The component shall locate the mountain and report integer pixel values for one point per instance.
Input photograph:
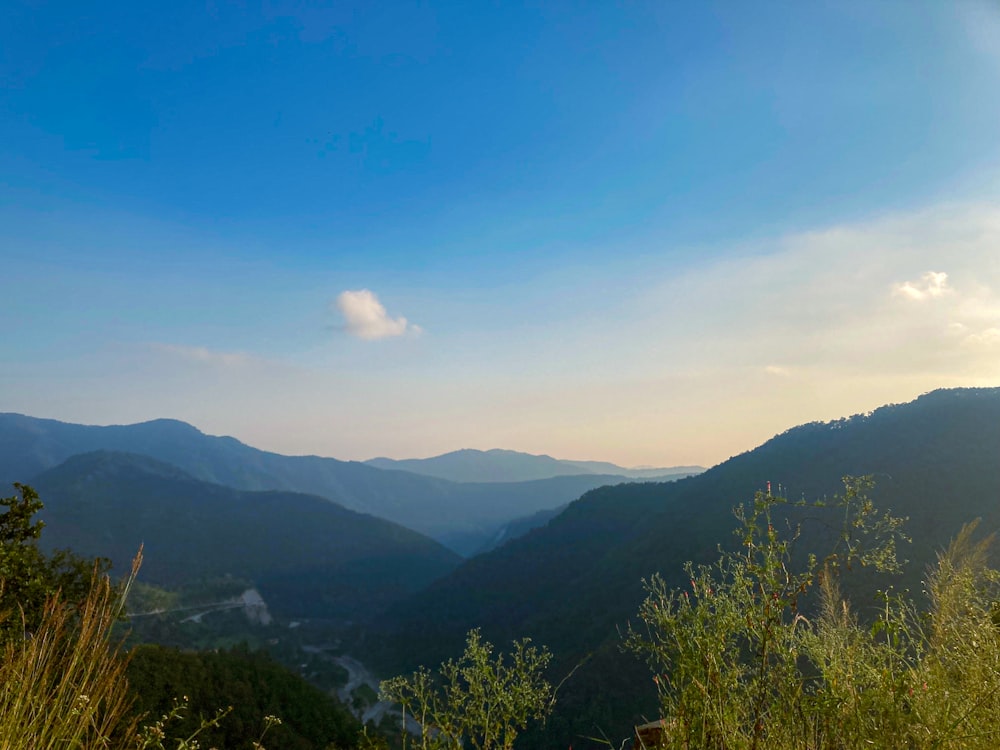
(309, 556)
(521, 526)
(494, 505)
(512, 466)
(575, 582)
(465, 516)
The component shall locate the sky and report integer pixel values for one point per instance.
(655, 233)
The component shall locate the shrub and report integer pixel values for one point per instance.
(738, 664)
(480, 700)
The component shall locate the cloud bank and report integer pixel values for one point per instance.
(366, 318)
(912, 296)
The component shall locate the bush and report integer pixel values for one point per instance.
(477, 699)
(29, 579)
(739, 664)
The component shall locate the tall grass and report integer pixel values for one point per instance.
(740, 667)
(63, 686)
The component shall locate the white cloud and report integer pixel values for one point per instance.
(851, 302)
(366, 317)
(932, 284)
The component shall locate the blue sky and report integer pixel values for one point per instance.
(646, 232)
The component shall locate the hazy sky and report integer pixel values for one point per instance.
(653, 233)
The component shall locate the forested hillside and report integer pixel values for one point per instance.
(308, 555)
(575, 582)
(247, 687)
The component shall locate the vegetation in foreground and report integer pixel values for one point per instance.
(478, 700)
(66, 681)
(739, 660)
(63, 686)
(738, 663)
(763, 651)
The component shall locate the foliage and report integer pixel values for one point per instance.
(64, 687)
(739, 665)
(28, 578)
(67, 686)
(249, 682)
(64, 678)
(477, 699)
(153, 736)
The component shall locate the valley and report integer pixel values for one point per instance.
(436, 375)
(343, 599)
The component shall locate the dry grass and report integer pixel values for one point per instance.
(64, 685)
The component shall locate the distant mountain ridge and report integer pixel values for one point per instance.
(498, 465)
(464, 516)
(310, 556)
(574, 583)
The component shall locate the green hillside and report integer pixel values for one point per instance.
(572, 584)
(251, 686)
(308, 555)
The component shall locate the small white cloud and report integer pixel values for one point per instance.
(931, 284)
(367, 319)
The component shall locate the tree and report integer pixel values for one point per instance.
(28, 577)
(479, 700)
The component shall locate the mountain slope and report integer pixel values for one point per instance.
(521, 526)
(571, 584)
(464, 516)
(310, 556)
(512, 466)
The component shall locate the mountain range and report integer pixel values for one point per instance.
(572, 580)
(465, 516)
(497, 465)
